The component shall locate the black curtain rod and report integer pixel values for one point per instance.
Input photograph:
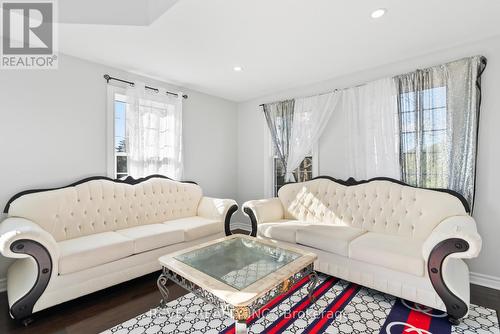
(483, 60)
(332, 91)
(107, 77)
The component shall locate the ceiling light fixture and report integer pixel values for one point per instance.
(237, 68)
(378, 13)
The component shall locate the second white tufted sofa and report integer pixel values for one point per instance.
(381, 233)
(98, 232)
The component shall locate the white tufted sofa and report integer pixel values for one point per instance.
(405, 241)
(99, 232)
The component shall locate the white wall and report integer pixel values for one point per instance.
(332, 146)
(53, 131)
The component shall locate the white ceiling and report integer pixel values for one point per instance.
(279, 43)
(116, 12)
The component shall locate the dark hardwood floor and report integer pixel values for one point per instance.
(95, 312)
(104, 309)
(486, 297)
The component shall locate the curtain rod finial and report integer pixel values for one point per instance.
(107, 78)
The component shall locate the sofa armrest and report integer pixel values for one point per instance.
(219, 209)
(456, 227)
(453, 239)
(264, 210)
(26, 241)
(15, 229)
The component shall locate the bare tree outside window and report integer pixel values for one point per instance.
(423, 121)
(302, 173)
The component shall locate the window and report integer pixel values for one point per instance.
(423, 123)
(144, 133)
(274, 177)
(120, 137)
(302, 173)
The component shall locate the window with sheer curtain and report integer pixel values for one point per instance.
(120, 139)
(147, 132)
(302, 173)
(438, 112)
(423, 137)
(295, 127)
(420, 127)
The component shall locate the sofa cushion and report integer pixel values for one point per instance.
(148, 237)
(196, 227)
(330, 238)
(283, 230)
(93, 250)
(390, 251)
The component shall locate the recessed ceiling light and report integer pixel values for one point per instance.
(378, 13)
(237, 68)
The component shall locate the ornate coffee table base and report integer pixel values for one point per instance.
(313, 281)
(162, 286)
(240, 314)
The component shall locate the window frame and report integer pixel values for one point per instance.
(423, 132)
(269, 162)
(111, 153)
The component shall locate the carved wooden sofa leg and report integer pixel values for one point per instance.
(455, 307)
(27, 321)
(253, 220)
(227, 220)
(22, 309)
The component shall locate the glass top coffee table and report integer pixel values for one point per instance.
(238, 274)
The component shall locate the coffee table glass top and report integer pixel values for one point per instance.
(238, 262)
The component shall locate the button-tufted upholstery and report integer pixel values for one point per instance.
(377, 206)
(102, 205)
(379, 233)
(99, 232)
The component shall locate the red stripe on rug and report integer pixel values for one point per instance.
(419, 320)
(270, 305)
(278, 299)
(339, 304)
(285, 321)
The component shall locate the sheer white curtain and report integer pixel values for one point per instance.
(373, 132)
(311, 115)
(154, 132)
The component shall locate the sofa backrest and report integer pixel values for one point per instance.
(100, 205)
(382, 206)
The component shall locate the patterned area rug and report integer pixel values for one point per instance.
(340, 307)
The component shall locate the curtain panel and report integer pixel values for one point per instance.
(420, 127)
(154, 133)
(311, 115)
(373, 134)
(438, 111)
(279, 118)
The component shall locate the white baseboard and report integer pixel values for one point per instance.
(3, 284)
(485, 280)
